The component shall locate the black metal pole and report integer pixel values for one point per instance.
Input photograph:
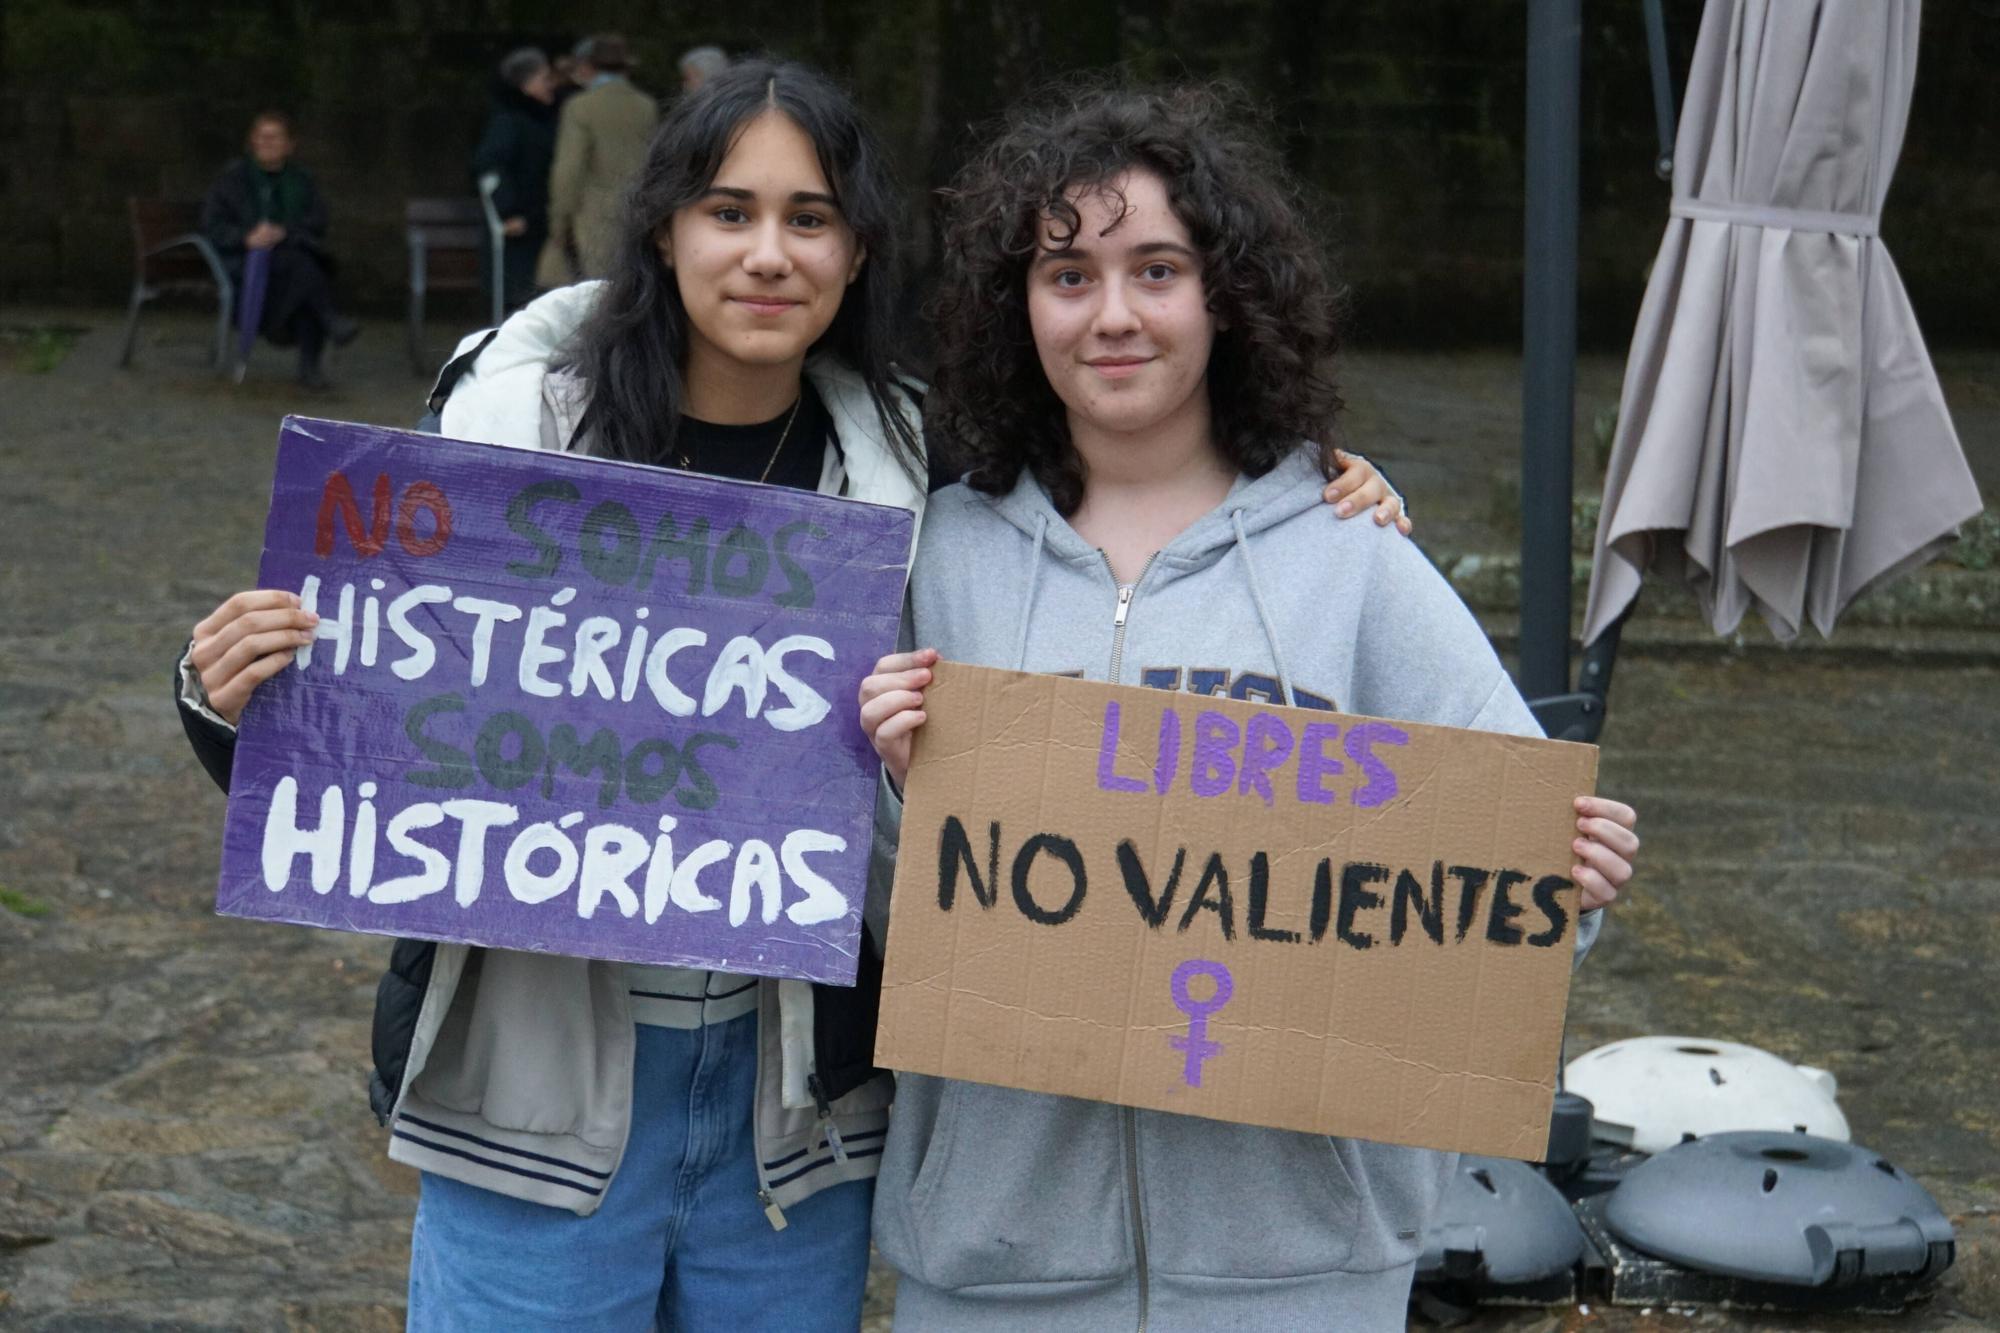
(1548, 329)
(1663, 89)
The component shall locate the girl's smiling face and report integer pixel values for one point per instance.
(1120, 318)
(763, 258)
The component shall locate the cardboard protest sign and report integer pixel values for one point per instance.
(564, 705)
(1274, 916)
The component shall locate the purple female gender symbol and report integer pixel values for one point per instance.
(1196, 1042)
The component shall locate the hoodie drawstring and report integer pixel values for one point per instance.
(1028, 602)
(1263, 612)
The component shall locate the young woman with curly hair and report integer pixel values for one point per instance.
(1136, 329)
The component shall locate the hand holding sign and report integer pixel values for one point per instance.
(1605, 846)
(246, 641)
(892, 707)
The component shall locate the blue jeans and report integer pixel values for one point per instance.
(680, 1241)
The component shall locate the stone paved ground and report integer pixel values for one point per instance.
(184, 1141)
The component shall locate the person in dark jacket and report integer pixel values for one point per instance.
(265, 201)
(518, 146)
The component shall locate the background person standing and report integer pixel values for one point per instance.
(601, 141)
(519, 145)
(700, 65)
(564, 66)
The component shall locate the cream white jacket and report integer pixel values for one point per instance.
(519, 1074)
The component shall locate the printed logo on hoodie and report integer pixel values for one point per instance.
(1251, 686)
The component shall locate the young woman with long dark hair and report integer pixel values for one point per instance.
(1136, 333)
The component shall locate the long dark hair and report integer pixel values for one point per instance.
(991, 409)
(632, 349)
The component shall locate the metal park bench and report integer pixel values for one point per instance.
(448, 240)
(170, 254)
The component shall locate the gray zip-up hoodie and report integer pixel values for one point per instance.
(1005, 1209)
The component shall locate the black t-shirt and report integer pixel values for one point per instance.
(793, 457)
(742, 451)
(723, 451)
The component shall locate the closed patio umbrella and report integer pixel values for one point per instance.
(1776, 372)
(250, 306)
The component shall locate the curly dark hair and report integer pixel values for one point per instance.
(991, 410)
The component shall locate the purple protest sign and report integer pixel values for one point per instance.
(564, 705)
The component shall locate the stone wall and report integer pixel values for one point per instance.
(1405, 115)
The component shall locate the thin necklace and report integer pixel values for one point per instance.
(687, 460)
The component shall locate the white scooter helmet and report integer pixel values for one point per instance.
(1650, 1093)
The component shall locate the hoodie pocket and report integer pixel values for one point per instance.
(1400, 1190)
(1019, 1187)
(1226, 1200)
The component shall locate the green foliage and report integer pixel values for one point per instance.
(1583, 513)
(21, 904)
(37, 350)
(1978, 542)
(1603, 430)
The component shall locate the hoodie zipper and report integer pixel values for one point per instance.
(1129, 1122)
(1130, 1127)
(1126, 591)
(824, 1106)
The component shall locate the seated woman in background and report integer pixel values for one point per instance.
(518, 145)
(265, 201)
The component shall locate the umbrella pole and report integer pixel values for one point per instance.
(1548, 327)
(1663, 89)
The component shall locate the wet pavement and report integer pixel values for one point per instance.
(184, 1136)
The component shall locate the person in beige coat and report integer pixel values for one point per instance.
(600, 143)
